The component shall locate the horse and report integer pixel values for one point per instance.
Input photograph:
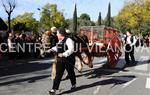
(81, 52)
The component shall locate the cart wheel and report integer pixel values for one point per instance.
(113, 58)
(114, 53)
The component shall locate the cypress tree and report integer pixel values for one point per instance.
(75, 19)
(99, 22)
(108, 20)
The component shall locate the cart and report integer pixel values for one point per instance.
(103, 42)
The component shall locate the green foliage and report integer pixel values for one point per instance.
(81, 21)
(45, 20)
(135, 15)
(19, 26)
(85, 16)
(50, 16)
(25, 22)
(85, 20)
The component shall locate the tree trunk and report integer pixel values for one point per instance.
(9, 22)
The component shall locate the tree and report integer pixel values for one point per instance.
(57, 18)
(19, 26)
(135, 15)
(75, 19)
(108, 18)
(9, 6)
(50, 16)
(26, 22)
(85, 16)
(45, 20)
(99, 22)
(85, 20)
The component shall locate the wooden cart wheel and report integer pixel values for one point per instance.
(114, 52)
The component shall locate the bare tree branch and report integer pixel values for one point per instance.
(5, 8)
(9, 6)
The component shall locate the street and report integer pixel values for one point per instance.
(33, 78)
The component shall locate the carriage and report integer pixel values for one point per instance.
(103, 42)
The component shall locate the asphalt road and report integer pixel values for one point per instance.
(33, 78)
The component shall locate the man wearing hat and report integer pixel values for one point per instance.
(130, 41)
(65, 60)
(53, 37)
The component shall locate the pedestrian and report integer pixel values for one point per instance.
(11, 48)
(147, 41)
(65, 60)
(130, 41)
(53, 37)
(45, 43)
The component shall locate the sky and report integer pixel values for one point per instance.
(91, 7)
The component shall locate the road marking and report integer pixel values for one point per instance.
(143, 67)
(96, 90)
(42, 61)
(136, 73)
(148, 83)
(128, 83)
(142, 63)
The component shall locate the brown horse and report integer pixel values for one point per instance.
(81, 52)
(81, 49)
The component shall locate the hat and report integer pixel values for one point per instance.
(62, 31)
(68, 31)
(53, 29)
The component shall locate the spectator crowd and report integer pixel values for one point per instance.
(19, 45)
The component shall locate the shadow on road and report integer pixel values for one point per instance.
(100, 71)
(115, 80)
(136, 63)
(29, 80)
(24, 68)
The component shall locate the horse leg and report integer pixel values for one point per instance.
(79, 63)
(42, 53)
(90, 59)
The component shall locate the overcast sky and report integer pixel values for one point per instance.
(91, 7)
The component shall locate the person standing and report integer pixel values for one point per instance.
(11, 48)
(65, 60)
(53, 41)
(147, 41)
(53, 37)
(130, 41)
